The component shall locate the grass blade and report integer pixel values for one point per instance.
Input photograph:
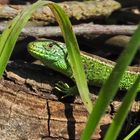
(132, 133)
(11, 33)
(108, 90)
(117, 123)
(74, 54)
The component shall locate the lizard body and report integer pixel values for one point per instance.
(54, 55)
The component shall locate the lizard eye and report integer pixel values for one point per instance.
(50, 45)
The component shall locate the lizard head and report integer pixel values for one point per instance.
(52, 54)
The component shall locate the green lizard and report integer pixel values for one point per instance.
(53, 54)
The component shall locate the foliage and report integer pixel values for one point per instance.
(9, 38)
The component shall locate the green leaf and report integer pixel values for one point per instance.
(109, 89)
(117, 123)
(12, 31)
(132, 133)
(74, 54)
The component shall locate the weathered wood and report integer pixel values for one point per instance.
(75, 10)
(85, 29)
(31, 109)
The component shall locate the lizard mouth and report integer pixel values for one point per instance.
(35, 51)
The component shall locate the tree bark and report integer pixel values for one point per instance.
(85, 29)
(75, 10)
(30, 108)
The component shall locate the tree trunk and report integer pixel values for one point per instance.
(30, 108)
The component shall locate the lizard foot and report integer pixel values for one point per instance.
(66, 89)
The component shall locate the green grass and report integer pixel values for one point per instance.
(11, 33)
(10, 36)
(132, 133)
(109, 90)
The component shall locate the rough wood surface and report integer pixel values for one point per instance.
(30, 108)
(85, 29)
(75, 10)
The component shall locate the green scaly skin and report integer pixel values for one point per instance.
(54, 55)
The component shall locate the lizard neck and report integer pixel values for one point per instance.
(61, 66)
